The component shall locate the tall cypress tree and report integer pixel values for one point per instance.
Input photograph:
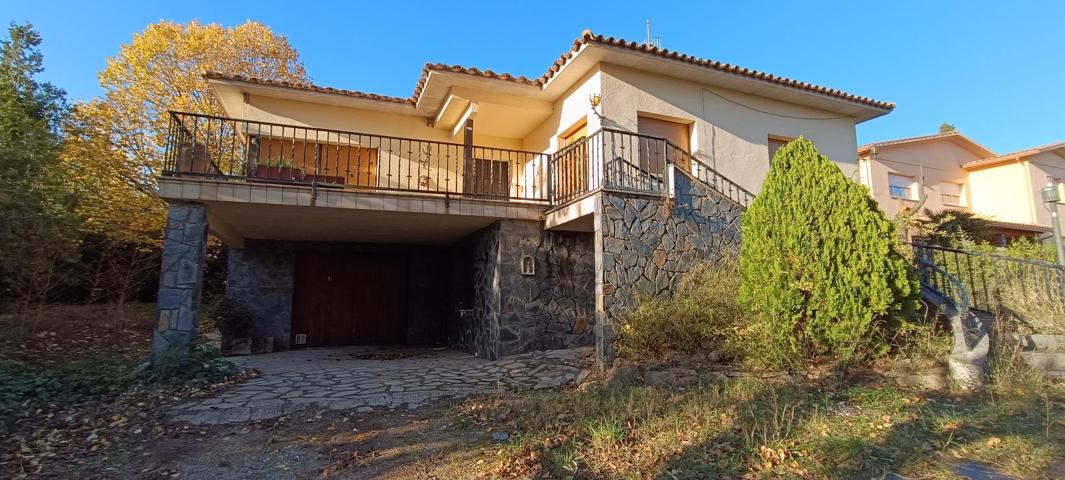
(819, 263)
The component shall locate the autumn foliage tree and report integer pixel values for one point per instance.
(819, 265)
(115, 143)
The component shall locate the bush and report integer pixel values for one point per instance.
(231, 317)
(200, 364)
(820, 267)
(702, 312)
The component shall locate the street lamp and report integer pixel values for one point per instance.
(1051, 197)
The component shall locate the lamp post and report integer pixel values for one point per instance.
(1051, 197)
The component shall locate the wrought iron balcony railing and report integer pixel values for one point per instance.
(256, 151)
(626, 161)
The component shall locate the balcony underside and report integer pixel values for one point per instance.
(239, 211)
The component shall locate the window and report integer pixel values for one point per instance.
(901, 187)
(951, 194)
(652, 153)
(775, 142)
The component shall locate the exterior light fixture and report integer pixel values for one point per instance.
(1051, 197)
(595, 99)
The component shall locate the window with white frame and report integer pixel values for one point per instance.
(951, 194)
(902, 187)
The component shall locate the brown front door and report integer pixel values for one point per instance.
(348, 299)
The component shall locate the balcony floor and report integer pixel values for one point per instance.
(238, 210)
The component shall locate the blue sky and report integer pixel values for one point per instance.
(996, 69)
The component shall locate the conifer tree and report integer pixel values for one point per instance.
(820, 267)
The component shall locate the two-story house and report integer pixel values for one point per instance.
(493, 213)
(951, 171)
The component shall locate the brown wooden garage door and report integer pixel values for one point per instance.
(349, 299)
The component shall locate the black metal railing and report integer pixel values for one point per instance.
(943, 283)
(249, 150)
(991, 278)
(626, 161)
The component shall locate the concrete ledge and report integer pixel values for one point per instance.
(211, 190)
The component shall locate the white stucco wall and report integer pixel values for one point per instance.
(731, 129)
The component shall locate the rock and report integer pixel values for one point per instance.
(500, 437)
(240, 346)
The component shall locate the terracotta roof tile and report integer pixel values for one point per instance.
(589, 37)
(305, 86)
(586, 38)
(921, 138)
(1015, 155)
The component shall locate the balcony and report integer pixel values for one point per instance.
(262, 152)
(256, 177)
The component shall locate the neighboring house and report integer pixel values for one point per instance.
(489, 212)
(951, 171)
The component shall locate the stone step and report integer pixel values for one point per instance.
(1049, 361)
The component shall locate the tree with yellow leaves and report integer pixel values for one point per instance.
(115, 143)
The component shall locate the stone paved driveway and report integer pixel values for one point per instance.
(365, 378)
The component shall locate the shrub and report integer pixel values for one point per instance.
(702, 312)
(820, 267)
(231, 317)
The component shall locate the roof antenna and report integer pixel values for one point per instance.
(652, 41)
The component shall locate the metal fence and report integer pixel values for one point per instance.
(625, 161)
(210, 146)
(991, 280)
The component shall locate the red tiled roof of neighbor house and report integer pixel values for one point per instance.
(587, 37)
(305, 86)
(923, 138)
(1015, 155)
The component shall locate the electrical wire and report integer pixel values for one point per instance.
(784, 115)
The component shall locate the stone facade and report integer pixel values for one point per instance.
(512, 312)
(181, 278)
(260, 277)
(648, 242)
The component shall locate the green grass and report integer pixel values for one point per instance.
(743, 427)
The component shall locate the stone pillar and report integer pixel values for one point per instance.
(604, 324)
(181, 278)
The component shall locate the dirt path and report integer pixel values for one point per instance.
(425, 443)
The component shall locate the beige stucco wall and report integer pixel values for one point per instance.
(1003, 192)
(932, 164)
(726, 135)
(398, 162)
(570, 108)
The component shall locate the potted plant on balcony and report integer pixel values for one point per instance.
(277, 168)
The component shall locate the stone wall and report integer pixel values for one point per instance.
(648, 242)
(260, 277)
(513, 313)
(555, 307)
(181, 278)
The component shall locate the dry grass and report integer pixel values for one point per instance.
(702, 313)
(749, 429)
(1039, 311)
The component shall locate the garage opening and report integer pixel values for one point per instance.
(369, 296)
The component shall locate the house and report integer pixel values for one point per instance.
(493, 213)
(951, 171)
